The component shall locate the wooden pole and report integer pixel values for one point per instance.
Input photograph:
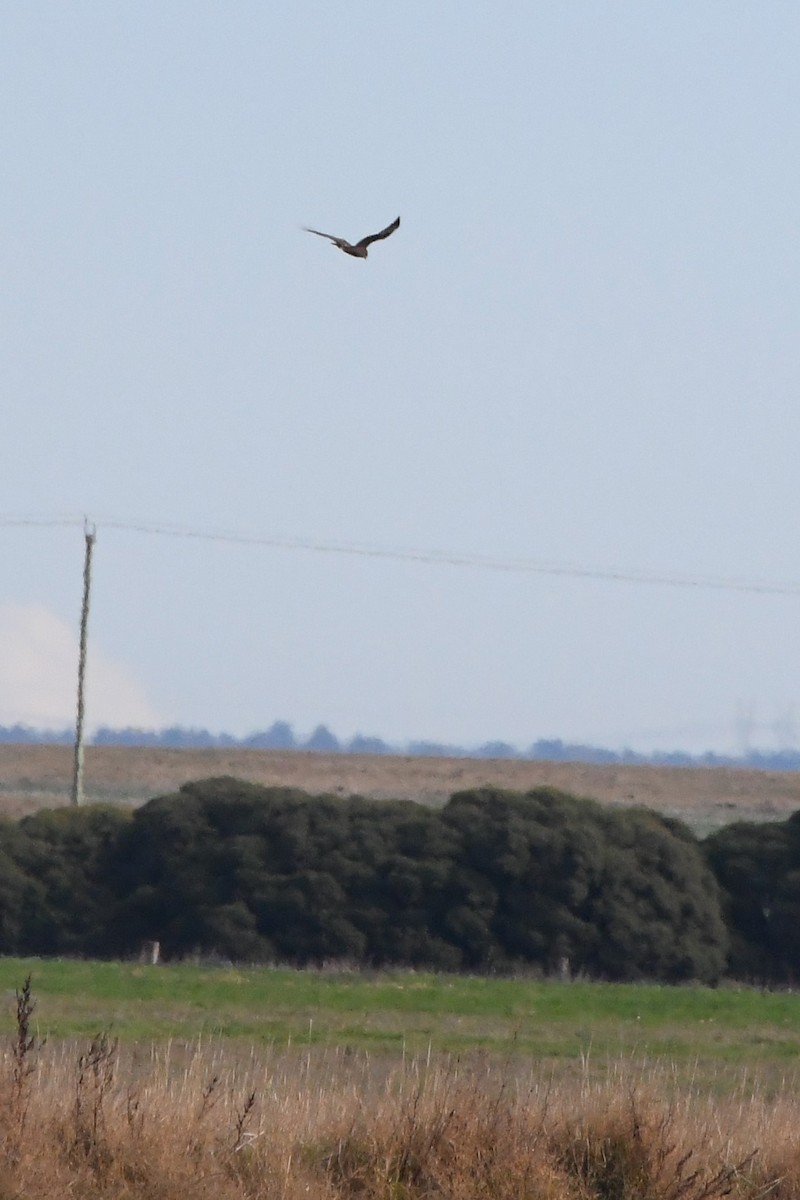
(77, 773)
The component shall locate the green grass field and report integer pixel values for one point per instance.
(234, 1084)
(698, 1029)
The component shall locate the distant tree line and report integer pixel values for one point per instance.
(281, 736)
(493, 882)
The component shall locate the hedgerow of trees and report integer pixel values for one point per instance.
(494, 881)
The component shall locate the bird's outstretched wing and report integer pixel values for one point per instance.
(377, 237)
(329, 236)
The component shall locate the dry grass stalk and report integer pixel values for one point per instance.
(25, 1049)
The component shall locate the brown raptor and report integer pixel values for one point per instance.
(357, 249)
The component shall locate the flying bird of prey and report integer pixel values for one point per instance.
(359, 250)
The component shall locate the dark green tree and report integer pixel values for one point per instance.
(22, 899)
(758, 869)
(68, 853)
(619, 894)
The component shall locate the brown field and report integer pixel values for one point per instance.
(79, 1120)
(33, 777)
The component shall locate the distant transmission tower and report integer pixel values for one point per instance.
(77, 774)
(785, 729)
(745, 723)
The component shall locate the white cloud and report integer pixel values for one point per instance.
(39, 676)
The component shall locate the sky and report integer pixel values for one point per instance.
(580, 350)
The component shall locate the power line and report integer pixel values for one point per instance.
(44, 522)
(425, 556)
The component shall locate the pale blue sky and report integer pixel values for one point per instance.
(581, 347)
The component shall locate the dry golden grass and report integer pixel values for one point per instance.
(211, 1122)
(33, 777)
(88, 1124)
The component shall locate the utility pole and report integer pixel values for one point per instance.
(89, 533)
